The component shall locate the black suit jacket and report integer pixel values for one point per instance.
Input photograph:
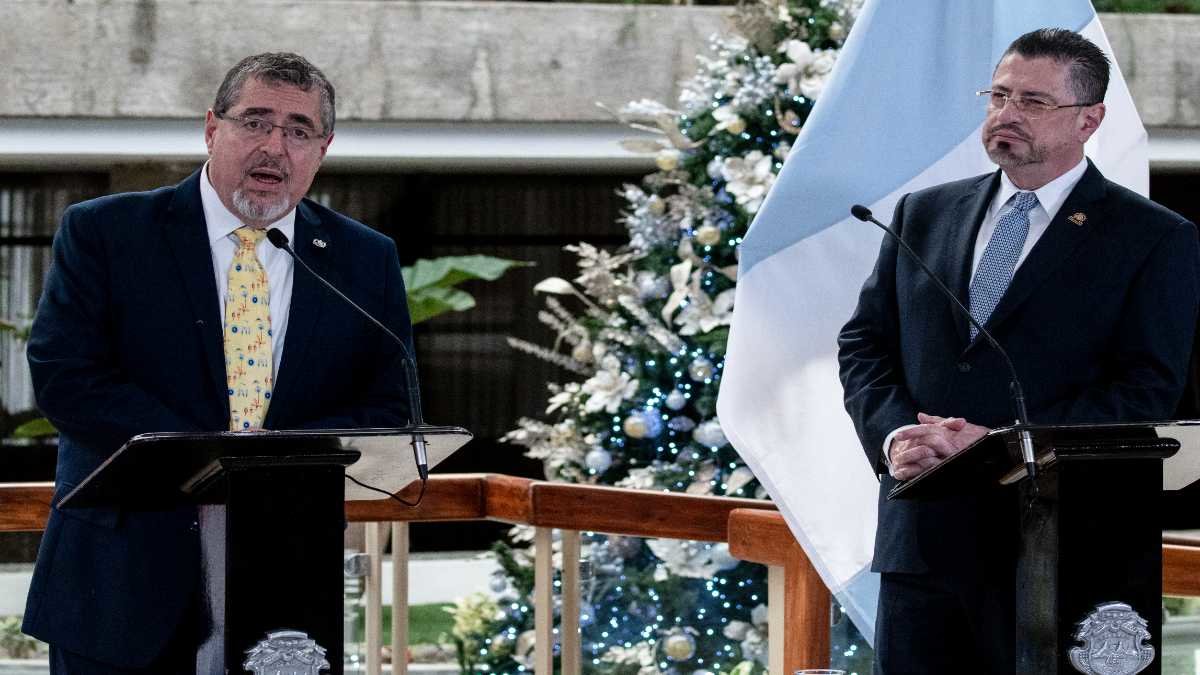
(128, 340)
(1098, 319)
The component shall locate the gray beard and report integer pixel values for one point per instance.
(250, 209)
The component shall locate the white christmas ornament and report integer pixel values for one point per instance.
(667, 160)
(708, 235)
(700, 369)
(635, 426)
(598, 460)
(679, 646)
(709, 434)
(652, 286)
(498, 583)
(582, 352)
(676, 400)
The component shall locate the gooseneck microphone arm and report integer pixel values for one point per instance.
(420, 454)
(1018, 394)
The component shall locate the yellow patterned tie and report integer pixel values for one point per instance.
(248, 365)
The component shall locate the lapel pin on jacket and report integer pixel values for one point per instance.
(320, 243)
(1078, 218)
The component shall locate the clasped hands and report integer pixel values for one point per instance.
(917, 449)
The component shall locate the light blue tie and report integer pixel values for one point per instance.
(1000, 257)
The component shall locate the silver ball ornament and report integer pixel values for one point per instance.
(676, 400)
(498, 583)
(700, 369)
(651, 286)
(709, 434)
(679, 646)
(598, 460)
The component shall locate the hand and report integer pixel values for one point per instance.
(918, 449)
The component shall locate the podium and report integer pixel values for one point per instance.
(1089, 568)
(272, 518)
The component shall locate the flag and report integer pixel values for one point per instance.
(898, 114)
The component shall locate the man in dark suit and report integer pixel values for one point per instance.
(137, 332)
(1091, 288)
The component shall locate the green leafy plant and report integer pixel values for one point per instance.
(431, 283)
(14, 643)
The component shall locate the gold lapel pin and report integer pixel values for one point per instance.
(320, 243)
(1077, 218)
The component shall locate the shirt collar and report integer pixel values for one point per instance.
(221, 222)
(1051, 195)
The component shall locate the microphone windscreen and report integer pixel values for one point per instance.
(861, 212)
(278, 238)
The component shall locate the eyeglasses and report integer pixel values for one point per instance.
(1032, 108)
(258, 128)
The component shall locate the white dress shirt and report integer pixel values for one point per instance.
(221, 224)
(1050, 199)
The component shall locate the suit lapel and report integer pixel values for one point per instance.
(965, 220)
(1061, 239)
(187, 236)
(308, 301)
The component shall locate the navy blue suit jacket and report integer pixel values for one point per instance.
(128, 340)
(1098, 319)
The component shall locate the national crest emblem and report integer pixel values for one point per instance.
(1114, 642)
(286, 652)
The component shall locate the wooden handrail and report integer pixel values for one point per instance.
(1181, 570)
(799, 601)
(25, 507)
(638, 513)
(757, 533)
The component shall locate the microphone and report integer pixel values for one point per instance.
(1018, 393)
(420, 454)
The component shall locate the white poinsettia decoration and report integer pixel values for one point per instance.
(703, 314)
(752, 635)
(641, 478)
(728, 120)
(748, 178)
(609, 387)
(817, 74)
(562, 447)
(806, 71)
(640, 654)
(693, 559)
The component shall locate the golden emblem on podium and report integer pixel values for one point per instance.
(286, 652)
(1114, 642)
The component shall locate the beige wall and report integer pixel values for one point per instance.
(435, 60)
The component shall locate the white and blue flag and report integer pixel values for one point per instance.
(898, 114)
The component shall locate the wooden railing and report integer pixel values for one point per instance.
(799, 602)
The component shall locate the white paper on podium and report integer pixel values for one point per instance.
(1183, 468)
(387, 462)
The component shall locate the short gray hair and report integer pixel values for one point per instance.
(276, 68)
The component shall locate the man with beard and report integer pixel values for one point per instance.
(168, 311)
(1090, 287)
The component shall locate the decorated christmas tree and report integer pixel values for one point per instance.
(640, 334)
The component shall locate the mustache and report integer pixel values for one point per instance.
(1010, 128)
(269, 163)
